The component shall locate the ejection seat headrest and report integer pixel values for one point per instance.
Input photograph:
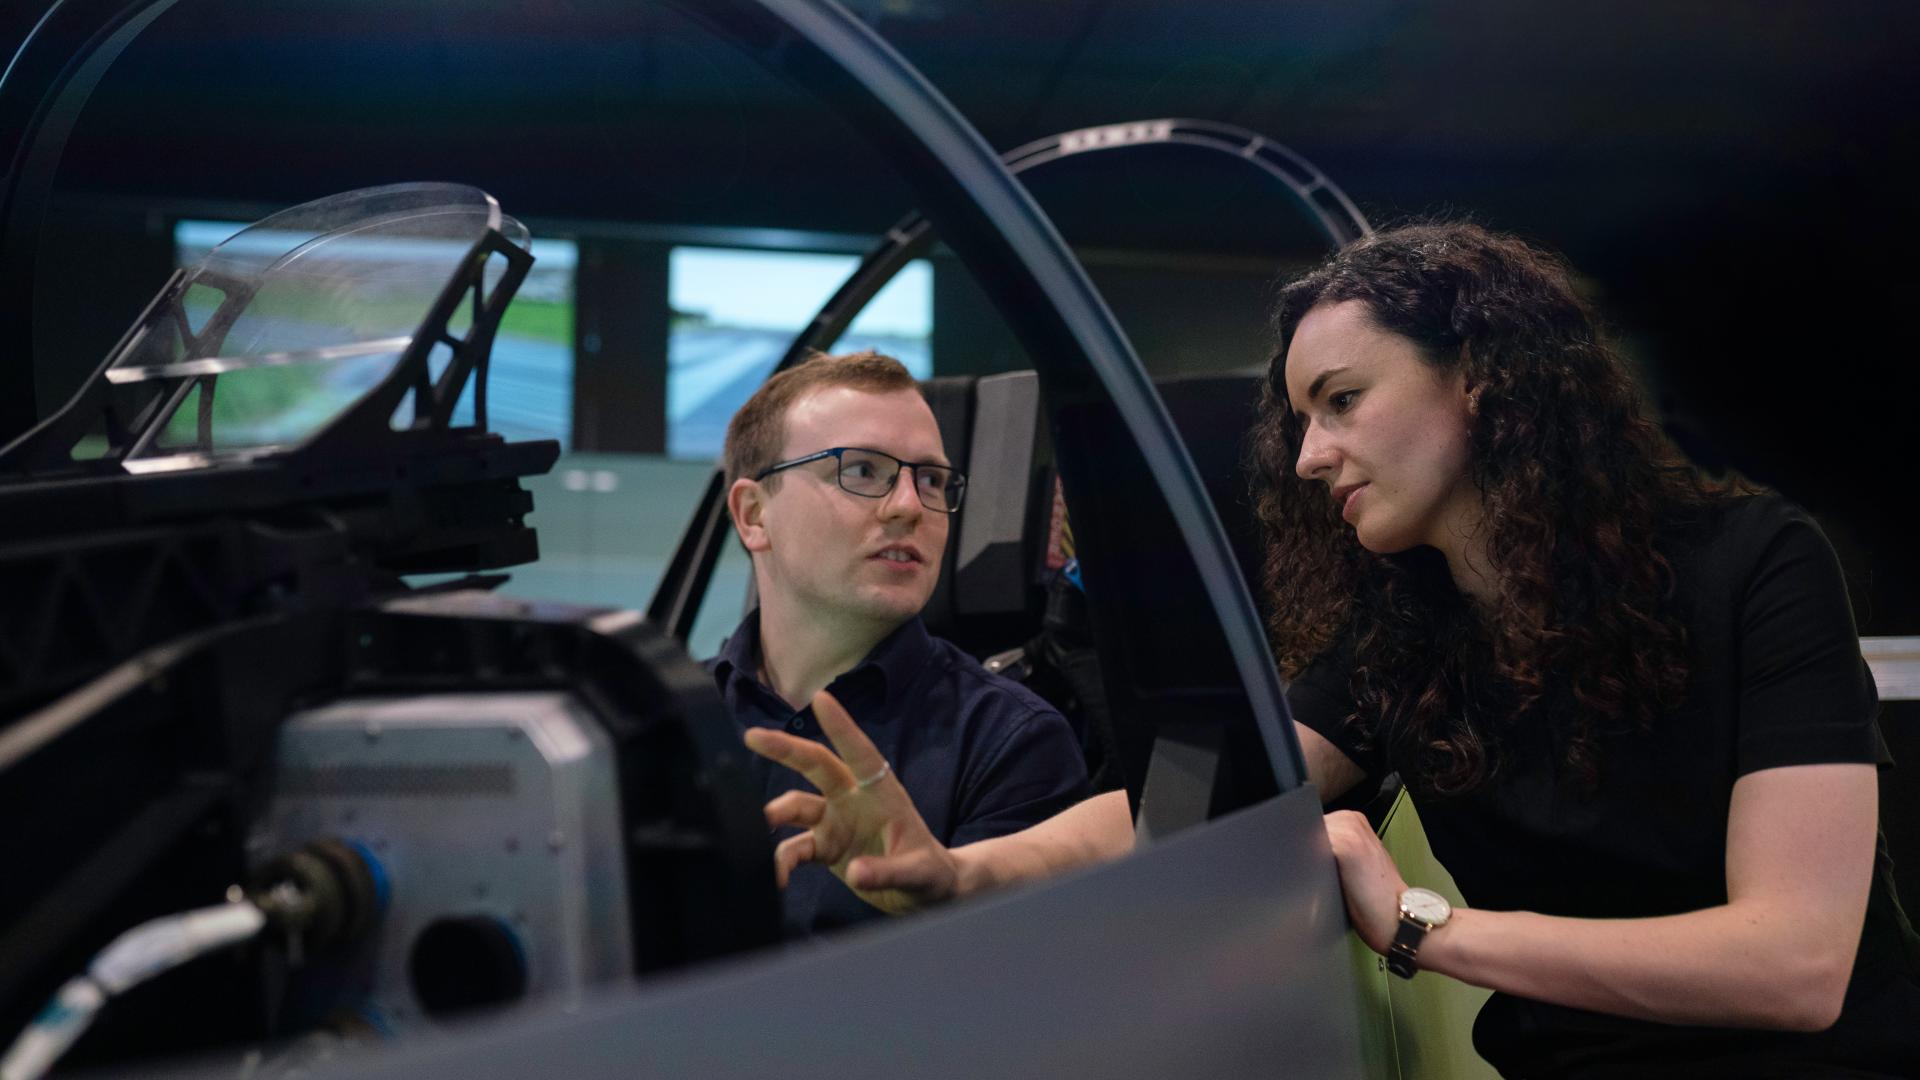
(989, 596)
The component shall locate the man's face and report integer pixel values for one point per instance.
(821, 549)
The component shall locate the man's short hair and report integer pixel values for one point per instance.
(758, 431)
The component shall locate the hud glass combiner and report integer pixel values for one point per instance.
(368, 311)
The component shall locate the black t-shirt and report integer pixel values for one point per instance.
(1776, 679)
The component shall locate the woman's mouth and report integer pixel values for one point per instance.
(1351, 502)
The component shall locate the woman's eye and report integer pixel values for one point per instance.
(1343, 400)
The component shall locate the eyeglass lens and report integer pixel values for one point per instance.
(873, 474)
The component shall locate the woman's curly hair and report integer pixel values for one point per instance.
(1575, 479)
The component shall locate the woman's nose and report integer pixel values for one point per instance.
(1316, 455)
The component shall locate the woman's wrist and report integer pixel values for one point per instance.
(1446, 948)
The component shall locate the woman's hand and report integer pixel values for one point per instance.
(1368, 877)
(862, 825)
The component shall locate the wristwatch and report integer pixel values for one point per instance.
(1421, 911)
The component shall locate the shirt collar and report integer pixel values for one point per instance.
(897, 660)
(741, 651)
(893, 663)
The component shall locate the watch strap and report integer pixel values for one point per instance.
(1402, 954)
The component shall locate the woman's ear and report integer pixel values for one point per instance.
(747, 506)
(1468, 385)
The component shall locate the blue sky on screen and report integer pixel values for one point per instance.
(784, 290)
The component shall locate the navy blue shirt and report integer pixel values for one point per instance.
(981, 755)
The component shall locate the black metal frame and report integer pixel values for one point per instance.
(43, 88)
(676, 600)
(1331, 211)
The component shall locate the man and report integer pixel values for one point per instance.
(843, 495)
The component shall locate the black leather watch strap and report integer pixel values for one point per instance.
(1405, 948)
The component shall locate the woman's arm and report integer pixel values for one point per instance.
(1331, 772)
(1777, 954)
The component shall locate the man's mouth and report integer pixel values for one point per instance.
(898, 555)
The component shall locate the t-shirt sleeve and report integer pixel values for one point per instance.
(1036, 771)
(1806, 695)
(1322, 699)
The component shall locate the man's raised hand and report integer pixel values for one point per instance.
(862, 825)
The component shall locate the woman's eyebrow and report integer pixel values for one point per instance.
(1319, 382)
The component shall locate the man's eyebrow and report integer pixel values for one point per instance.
(1319, 382)
(944, 464)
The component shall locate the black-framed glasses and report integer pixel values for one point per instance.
(872, 473)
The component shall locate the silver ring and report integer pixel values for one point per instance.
(885, 768)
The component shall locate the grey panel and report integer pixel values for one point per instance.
(500, 804)
(951, 399)
(1222, 952)
(991, 573)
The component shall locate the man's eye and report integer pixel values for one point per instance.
(860, 470)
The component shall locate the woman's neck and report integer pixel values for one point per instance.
(1464, 541)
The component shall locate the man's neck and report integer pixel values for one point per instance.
(801, 651)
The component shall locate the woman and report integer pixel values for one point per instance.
(1630, 703)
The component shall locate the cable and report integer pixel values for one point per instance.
(153, 947)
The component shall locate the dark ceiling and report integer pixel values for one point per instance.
(1734, 178)
(1565, 119)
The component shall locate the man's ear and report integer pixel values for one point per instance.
(747, 506)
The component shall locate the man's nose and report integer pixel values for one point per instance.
(904, 499)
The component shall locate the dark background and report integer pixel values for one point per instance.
(1734, 180)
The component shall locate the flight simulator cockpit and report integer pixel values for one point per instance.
(313, 775)
(299, 789)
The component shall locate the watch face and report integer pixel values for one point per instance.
(1426, 905)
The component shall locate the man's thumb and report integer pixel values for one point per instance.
(912, 872)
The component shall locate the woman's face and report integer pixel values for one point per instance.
(1386, 431)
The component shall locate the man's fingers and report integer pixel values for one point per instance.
(792, 851)
(799, 808)
(856, 750)
(913, 872)
(804, 756)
